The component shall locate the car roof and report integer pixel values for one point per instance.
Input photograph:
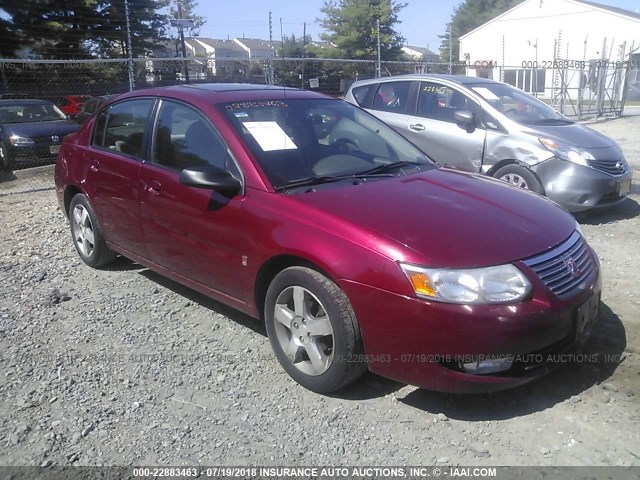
(460, 79)
(225, 92)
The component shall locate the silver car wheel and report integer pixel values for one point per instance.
(515, 179)
(83, 230)
(304, 330)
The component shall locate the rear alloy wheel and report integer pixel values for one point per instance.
(313, 330)
(87, 235)
(520, 177)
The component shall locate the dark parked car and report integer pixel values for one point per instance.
(31, 132)
(314, 216)
(71, 104)
(481, 125)
(90, 106)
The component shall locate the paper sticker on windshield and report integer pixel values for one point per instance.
(485, 93)
(270, 136)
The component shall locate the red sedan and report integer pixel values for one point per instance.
(313, 216)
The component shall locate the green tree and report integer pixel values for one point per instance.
(76, 29)
(468, 15)
(146, 25)
(51, 29)
(351, 26)
(297, 47)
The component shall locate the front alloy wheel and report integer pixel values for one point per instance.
(515, 179)
(313, 330)
(304, 331)
(520, 177)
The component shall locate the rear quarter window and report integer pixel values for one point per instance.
(362, 94)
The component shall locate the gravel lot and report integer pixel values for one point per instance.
(124, 367)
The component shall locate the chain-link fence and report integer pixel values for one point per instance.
(580, 90)
(77, 87)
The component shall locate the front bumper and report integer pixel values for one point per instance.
(578, 188)
(33, 155)
(420, 343)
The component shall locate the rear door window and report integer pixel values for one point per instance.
(121, 127)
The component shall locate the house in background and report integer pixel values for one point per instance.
(256, 48)
(421, 54)
(221, 54)
(520, 46)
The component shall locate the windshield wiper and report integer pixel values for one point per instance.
(388, 167)
(553, 120)
(307, 182)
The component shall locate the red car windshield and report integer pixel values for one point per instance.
(300, 139)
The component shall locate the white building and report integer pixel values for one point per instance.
(528, 45)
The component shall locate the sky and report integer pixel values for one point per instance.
(422, 20)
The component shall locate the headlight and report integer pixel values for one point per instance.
(567, 152)
(17, 140)
(501, 284)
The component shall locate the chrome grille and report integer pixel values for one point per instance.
(612, 167)
(564, 268)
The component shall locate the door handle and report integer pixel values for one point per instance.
(95, 166)
(417, 127)
(154, 186)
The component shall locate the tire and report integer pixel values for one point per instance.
(87, 235)
(5, 161)
(308, 316)
(520, 177)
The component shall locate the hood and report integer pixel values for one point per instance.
(574, 134)
(38, 129)
(446, 218)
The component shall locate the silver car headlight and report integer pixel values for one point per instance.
(489, 285)
(20, 141)
(567, 152)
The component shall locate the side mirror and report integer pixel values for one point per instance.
(465, 119)
(463, 116)
(212, 178)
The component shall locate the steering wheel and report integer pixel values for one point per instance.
(345, 145)
(511, 113)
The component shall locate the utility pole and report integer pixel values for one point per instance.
(450, 49)
(304, 44)
(132, 84)
(378, 63)
(184, 49)
(270, 73)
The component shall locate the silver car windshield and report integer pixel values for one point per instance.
(518, 105)
(300, 141)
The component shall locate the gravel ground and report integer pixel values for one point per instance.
(124, 367)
